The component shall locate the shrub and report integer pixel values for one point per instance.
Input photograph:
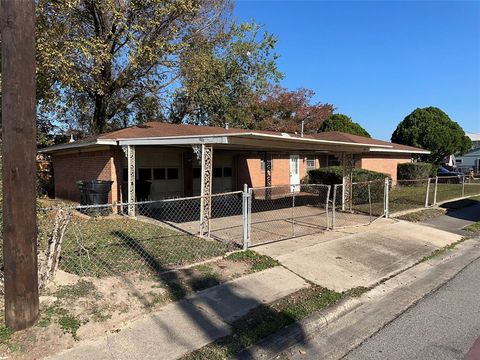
(413, 171)
(332, 175)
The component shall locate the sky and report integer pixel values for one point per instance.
(378, 61)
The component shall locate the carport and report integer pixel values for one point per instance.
(204, 147)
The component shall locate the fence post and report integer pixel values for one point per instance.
(334, 201)
(386, 210)
(435, 191)
(463, 186)
(428, 193)
(326, 205)
(293, 214)
(246, 233)
(369, 201)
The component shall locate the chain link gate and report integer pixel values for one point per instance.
(282, 212)
(366, 203)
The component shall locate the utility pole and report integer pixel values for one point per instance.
(19, 163)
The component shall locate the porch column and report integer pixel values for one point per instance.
(267, 161)
(347, 162)
(348, 165)
(129, 151)
(205, 155)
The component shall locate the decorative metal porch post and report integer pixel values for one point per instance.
(267, 161)
(347, 162)
(205, 155)
(129, 151)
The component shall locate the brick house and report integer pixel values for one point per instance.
(169, 157)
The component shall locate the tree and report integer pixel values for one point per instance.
(343, 123)
(284, 110)
(104, 60)
(222, 76)
(432, 129)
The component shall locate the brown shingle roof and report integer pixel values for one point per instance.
(356, 139)
(160, 129)
(157, 129)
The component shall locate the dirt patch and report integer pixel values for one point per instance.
(75, 308)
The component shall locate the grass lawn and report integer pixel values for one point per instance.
(266, 320)
(407, 197)
(474, 228)
(105, 246)
(410, 197)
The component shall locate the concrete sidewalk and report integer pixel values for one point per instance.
(191, 323)
(360, 256)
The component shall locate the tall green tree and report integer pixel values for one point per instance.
(223, 76)
(109, 61)
(432, 129)
(342, 123)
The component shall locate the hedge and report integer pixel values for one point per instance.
(332, 175)
(414, 171)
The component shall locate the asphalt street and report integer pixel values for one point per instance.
(443, 325)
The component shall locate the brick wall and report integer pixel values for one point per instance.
(91, 165)
(386, 164)
(250, 172)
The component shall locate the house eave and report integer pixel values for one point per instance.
(399, 151)
(74, 145)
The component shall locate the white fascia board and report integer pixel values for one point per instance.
(176, 140)
(387, 150)
(73, 145)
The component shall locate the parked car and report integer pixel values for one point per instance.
(451, 177)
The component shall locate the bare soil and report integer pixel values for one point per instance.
(77, 308)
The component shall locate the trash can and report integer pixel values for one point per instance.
(95, 192)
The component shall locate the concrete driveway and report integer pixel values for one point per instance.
(455, 220)
(360, 256)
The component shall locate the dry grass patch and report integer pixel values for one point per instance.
(422, 215)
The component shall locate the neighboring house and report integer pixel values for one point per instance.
(469, 161)
(166, 155)
(475, 140)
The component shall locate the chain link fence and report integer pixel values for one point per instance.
(104, 240)
(282, 212)
(409, 194)
(360, 206)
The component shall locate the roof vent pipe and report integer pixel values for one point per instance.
(301, 130)
(226, 126)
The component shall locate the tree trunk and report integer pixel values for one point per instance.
(99, 115)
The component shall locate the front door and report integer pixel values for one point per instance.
(294, 173)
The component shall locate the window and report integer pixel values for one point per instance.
(159, 174)
(333, 161)
(227, 172)
(458, 161)
(310, 162)
(125, 174)
(145, 174)
(197, 172)
(217, 172)
(172, 173)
